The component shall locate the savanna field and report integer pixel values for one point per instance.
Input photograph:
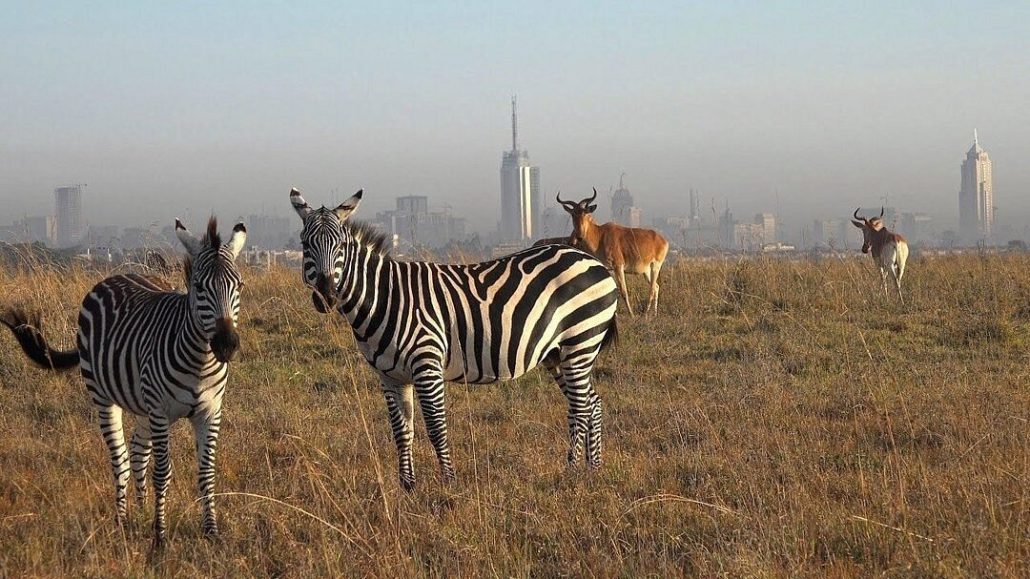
(776, 419)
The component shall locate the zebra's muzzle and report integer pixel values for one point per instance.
(323, 297)
(226, 340)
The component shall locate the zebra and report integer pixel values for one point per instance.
(420, 324)
(161, 355)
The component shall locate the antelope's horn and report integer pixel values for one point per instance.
(558, 197)
(856, 214)
(586, 202)
(881, 211)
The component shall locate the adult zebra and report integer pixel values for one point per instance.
(424, 324)
(162, 355)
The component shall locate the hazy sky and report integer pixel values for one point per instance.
(187, 108)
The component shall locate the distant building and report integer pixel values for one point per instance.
(68, 212)
(413, 204)
(103, 236)
(748, 236)
(271, 232)
(624, 211)
(917, 228)
(554, 222)
(695, 207)
(768, 223)
(726, 234)
(35, 229)
(976, 196)
(520, 190)
(830, 233)
(136, 238)
(413, 225)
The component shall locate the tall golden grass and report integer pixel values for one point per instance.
(776, 419)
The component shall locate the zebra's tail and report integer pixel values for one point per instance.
(34, 345)
(611, 336)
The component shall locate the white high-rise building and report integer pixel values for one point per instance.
(68, 213)
(976, 197)
(520, 190)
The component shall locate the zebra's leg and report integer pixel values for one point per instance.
(551, 363)
(400, 403)
(581, 399)
(114, 437)
(205, 431)
(429, 387)
(159, 426)
(593, 442)
(139, 457)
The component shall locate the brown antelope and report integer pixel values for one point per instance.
(622, 249)
(890, 250)
(552, 241)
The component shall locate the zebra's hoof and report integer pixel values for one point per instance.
(408, 485)
(212, 534)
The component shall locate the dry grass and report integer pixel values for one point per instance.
(777, 419)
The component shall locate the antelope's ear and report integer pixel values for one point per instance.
(857, 224)
(591, 208)
(191, 243)
(239, 239)
(299, 204)
(345, 209)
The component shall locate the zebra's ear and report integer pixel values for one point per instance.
(191, 243)
(239, 239)
(349, 206)
(299, 204)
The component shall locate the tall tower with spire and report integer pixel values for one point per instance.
(976, 196)
(520, 189)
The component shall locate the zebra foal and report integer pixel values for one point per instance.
(159, 354)
(422, 324)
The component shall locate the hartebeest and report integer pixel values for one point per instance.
(622, 249)
(552, 241)
(890, 250)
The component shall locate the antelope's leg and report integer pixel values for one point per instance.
(620, 273)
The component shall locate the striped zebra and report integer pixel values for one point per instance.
(421, 324)
(159, 354)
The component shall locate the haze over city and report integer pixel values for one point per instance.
(169, 112)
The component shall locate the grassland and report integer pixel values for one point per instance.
(776, 419)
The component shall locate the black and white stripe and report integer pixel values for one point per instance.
(159, 354)
(421, 324)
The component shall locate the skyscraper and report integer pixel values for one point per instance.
(520, 190)
(767, 221)
(68, 213)
(976, 197)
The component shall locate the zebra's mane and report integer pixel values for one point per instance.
(212, 238)
(368, 235)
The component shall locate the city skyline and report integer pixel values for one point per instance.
(169, 113)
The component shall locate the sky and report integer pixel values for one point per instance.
(192, 108)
